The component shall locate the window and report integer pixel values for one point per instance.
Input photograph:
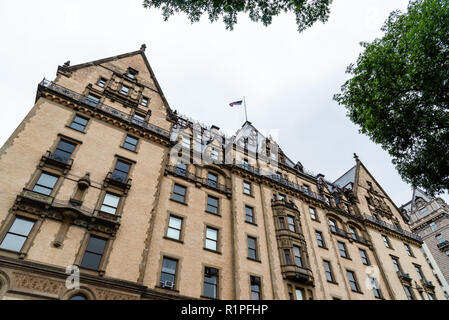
(319, 238)
(101, 82)
(17, 234)
(433, 226)
(138, 119)
(79, 123)
(110, 203)
(409, 293)
(328, 201)
(282, 223)
(313, 213)
(431, 296)
(440, 238)
(78, 297)
(121, 171)
(409, 251)
(179, 193)
(246, 188)
(45, 183)
(342, 248)
(348, 210)
(419, 272)
(186, 143)
(255, 287)
(352, 281)
(131, 74)
(353, 233)
(130, 143)
(214, 154)
(386, 241)
(364, 257)
(299, 294)
(92, 100)
(63, 151)
(291, 223)
(212, 179)
(288, 260)
(281, 196)
(376, 290)
(94, 253)
(181, 168)
(144, 101)
(252, 248)
(168, 273)
(298, 258)
(447, 253)
(328, 271)
(211, 239)
(212, 205)
(396, 264)
(210, 282)
(124, 90)
(174, 228)
(249, 213)
(306, 188)
(245, 164)
(332, 225)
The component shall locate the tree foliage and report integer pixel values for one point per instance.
(399, 92)
(307, 12)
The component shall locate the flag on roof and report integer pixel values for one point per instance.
(236, 103)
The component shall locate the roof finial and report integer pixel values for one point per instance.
(356, 157)
(143, 47)
(67, 64)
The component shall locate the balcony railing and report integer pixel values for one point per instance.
(404, 276)
(118, 180)
(36, 197)
(339, 231)
(443, 245)
(361, 240)
(102, 107)
(57, 159)
(298, 274)
(427, 283)
(393, 228)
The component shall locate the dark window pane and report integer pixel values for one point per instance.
(77, 126)
(210, 290)
(91, 261)
(21, 227)
(47, 180)
(78, 297)
(80, 121)
(42, 190)
(96, 245)
(169, 266)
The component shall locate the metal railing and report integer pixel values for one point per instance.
(102, 107)
(392, 228)
(443, 244)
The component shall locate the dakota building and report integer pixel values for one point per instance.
(102, 176)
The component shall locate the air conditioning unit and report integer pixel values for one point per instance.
(167, 284)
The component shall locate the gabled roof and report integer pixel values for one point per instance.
(141, 52)
(348, 177)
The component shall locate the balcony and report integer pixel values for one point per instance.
(339, 232)
(443, 245)
(57, 160)
(284, 203)
(34, 197)
(404, 276)
(297, 274)
(427, 284)
(392, 228)
(99, 107)
(361, 240)
(118, 180)
(106, 217)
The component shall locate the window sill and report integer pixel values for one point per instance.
(208, 298)
(174, 240)
(133, 151)
(347, 258)
(333, 282)
(214, 214)
(358, 291)
(179, 202)
(316, 220)
(249, 195)
(83, 132)
(325, 248)
(251, 223)
(167, 289)
(213, 251)
(12, 254)
(254, 260)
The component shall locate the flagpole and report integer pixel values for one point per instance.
(244, 103)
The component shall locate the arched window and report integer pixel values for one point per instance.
(78, 297)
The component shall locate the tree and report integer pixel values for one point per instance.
(307, 12)
(398, 92)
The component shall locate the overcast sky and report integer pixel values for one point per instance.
(288, 78)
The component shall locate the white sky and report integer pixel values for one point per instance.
(288, 78)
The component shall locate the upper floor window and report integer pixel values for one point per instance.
(179, 193)
(298, 258)
(94, 253)
(281, 196)
(124, 90)
(409, 251)
(212, 179)
(63, 151)
(210, 282)
(181, 168)
(211, 239)
(246, 188)
(313, 213)
(342, 248)
(144, 101)
(130, 143)
(249, 214)
(255, 287)
(252, 248)
(328, 271)
(353, 281)
(245, 163)
(282, 223)
(121, 171)
(138, 119)
(45, 183)
(93, 100)
(186, 143)
(333, 225)
(353, 233)
(306, 188)
(212, 205)
(288, 260)
(131, 73)
(291, 223)
(375, 287)
(328, 201)
(396, 264)
(319, 238)
(299, 294)
(101, 82)
(433, 226)
(110, 203)
(409, 293)
(174, 228)
(386, 241)
(440, 238)
(347, 208)
(168, 273)
(78, 297)
(214, 154)
(364, 257)
(79, 123)
(17, 234)
(419, 272)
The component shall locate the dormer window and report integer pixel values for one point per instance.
(131, 73)
(214, 154)
(101, 83)
(144, 102)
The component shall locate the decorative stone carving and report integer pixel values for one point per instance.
(110, 295)
(39, 284)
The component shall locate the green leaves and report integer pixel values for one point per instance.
(306, 12)
(399, 93)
